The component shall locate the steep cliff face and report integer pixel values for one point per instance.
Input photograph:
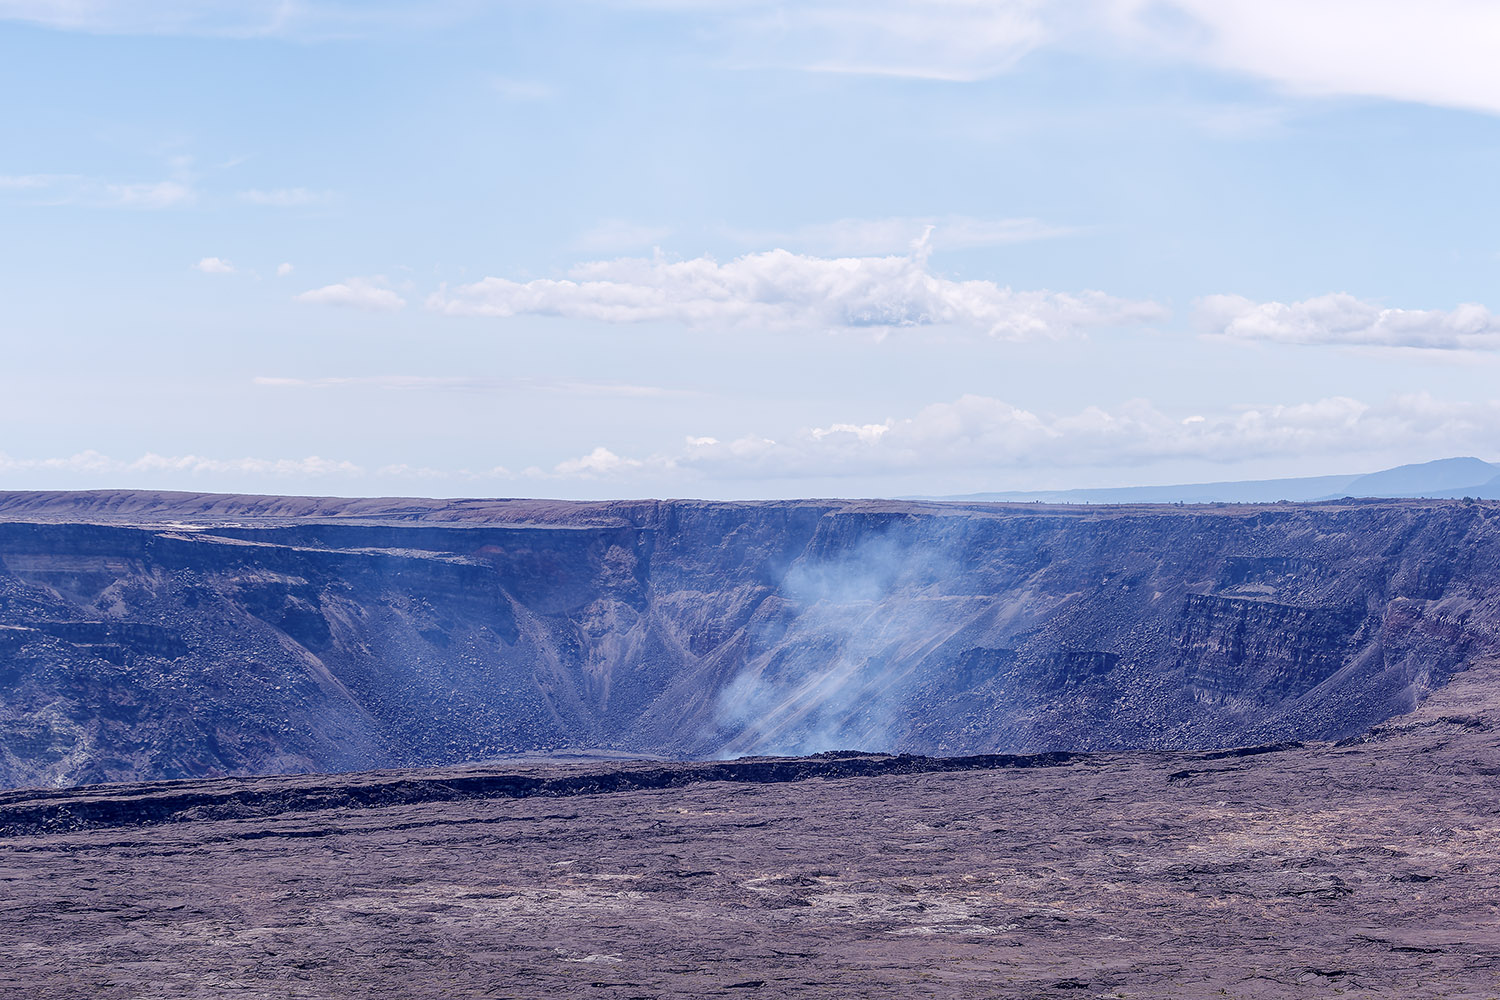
(160, 635)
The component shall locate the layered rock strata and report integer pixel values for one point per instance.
(169, 635)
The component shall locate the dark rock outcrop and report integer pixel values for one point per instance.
(171, 635)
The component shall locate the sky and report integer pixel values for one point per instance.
(743, 249)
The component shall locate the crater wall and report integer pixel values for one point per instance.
(169, 635)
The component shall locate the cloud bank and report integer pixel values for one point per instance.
(1346, 320)
(783, 290)
(983, 433)
(972, 434)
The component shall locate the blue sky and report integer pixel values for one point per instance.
(743, 249)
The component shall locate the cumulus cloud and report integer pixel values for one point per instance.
(214, 265)
(361, 293)
(783, 290)
(984, 433)
(1344, 319)
(597, 464)
(283, 269)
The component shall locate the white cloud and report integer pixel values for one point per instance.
(283, 269)
(1437, 52)
(1346, 320)
(601, 463)
(282, 197)
(972, 434)
(862, 237)
(980, 433)
(214, 265)
(95, 463)
(783, 290)
(361, 293)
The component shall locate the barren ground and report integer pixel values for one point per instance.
(1363, 870)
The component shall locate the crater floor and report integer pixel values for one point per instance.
(1361, 869)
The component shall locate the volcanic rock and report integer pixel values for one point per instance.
(148, 635)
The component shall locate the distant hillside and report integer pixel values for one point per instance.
(1446, 477)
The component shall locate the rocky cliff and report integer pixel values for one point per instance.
(149, 635)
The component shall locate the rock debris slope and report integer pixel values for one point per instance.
(147, 635)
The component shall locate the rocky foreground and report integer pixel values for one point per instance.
(1365, 868)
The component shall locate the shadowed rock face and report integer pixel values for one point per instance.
(168, 635)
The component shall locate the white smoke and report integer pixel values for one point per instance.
(829, 672)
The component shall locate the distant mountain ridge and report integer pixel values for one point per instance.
(1445, 477)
